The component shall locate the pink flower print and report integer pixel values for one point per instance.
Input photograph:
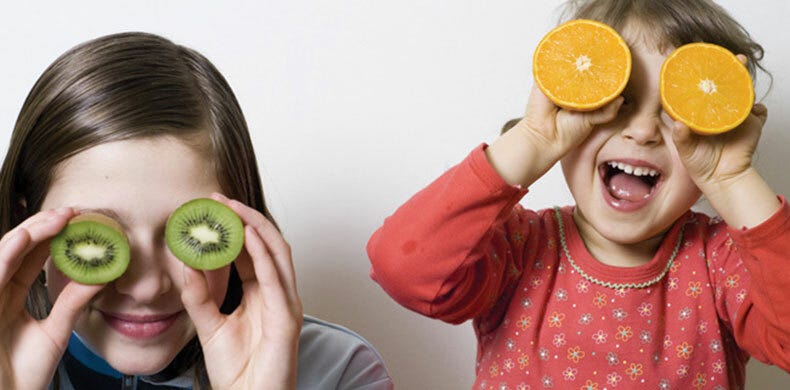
(667, 341)
(740, 296)
(508, 365)
(538, 265)
(535, 281)
(612, 359)
(585, 319)
(547, 382)
(664, 385)
(715, 346)
(673, 284)
(675, 265)
(524, 322)
(718, 366)
(561, 268)
(583, 286)
(645, 309)
(620, 292)
(510, 345)
(523, 386)
(645, 337)
(684, 313)
(493, 370)
(684, 350)
(624, 333)
(682, 371)
(613, 379)
(559, 340)
(589, 385)
(523, 361)
(575, 354)
(634, 371)
(555, 319)
(518, 237)
(599, 337)
(732, 281)
(543, 354)
(699, 381)
(619, 314)
(562, 295)
(702, 327)
(569, 374)
(694, 289)
(599, 300)
(526, 303)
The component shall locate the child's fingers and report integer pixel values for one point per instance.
(11, 254)
(604, 114)
(272, 290)
(198, 302)
(274, 243)
(67, 308)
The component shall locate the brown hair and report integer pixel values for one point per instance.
(124, 86)
(670, 23)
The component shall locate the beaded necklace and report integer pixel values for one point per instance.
(616, 286)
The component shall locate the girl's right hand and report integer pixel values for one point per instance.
(545, 134)
(30, 349)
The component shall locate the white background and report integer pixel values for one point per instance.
(354, 106)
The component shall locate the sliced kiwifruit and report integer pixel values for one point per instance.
(91, 249)
(204, 234)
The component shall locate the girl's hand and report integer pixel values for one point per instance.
(256, 346)
(31, 349)
(715, 160)
(545, 134)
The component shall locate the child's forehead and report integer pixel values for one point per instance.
(643, 35)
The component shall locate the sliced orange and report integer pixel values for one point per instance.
(706, 87)
(582, 65)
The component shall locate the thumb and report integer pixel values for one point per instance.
(199, 303)
(67, 308)
(685, 141)
(604, 114)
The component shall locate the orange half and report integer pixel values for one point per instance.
(706, 87)
(582, 65)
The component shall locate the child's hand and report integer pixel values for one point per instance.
(543, 137)
(714, 160)
(256, 346)
(30, 349)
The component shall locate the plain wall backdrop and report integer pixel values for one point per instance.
(353, 107)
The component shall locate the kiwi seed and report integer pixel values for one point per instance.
(91, 249)
(204, 234)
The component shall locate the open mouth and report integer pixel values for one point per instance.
(630, 182)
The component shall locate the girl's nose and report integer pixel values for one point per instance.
(147, 278)
(643, 130)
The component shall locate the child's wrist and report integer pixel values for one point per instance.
(744, 200)
(521, 156)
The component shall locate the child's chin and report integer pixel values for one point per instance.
(144, 365)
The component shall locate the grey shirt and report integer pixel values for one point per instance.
(330, 357)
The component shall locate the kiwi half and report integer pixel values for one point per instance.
(204, 234)
(91, 249)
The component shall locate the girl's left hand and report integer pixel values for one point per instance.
(256, 346)
(713, 160)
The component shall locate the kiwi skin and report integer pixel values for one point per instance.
(221, 234)
(101, 231)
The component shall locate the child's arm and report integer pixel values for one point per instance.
(721, 166)
(455, 248)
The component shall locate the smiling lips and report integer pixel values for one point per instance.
(140, 326)
(629, 184)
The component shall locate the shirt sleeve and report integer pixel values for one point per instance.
(750, 269)
(455, 248)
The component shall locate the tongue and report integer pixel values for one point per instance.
(628, 187)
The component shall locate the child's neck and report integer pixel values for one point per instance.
(614, 253)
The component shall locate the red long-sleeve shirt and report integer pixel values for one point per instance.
(463, 248)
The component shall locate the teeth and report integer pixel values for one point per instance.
(632, 170)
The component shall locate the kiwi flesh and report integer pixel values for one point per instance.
(204, 234)
(91, 249)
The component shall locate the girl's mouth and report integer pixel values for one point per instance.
(629, 185)
(140, 327)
